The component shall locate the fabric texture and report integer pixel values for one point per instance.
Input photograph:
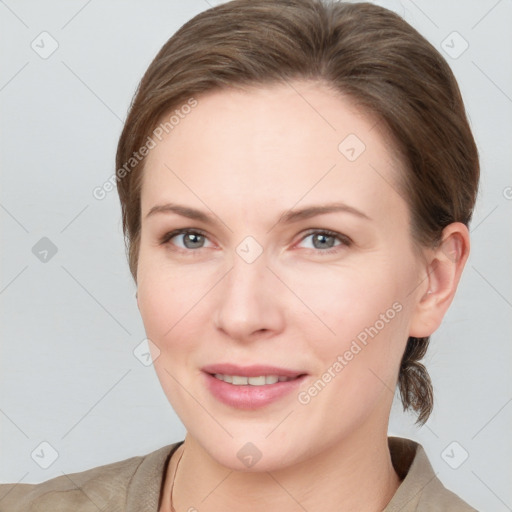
(135, 485)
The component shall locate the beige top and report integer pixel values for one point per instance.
(135, 485)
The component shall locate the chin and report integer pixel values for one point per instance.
(246, 456)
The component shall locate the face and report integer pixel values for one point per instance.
(282, 247)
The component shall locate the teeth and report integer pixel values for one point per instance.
(256, 381)
(239, 380)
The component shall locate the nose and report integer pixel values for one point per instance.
(248, 304)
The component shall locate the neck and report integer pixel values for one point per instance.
(354, 475)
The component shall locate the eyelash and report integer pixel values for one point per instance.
(343, 239)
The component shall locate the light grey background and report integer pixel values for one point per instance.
(69, 325)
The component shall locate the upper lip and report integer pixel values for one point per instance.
(250, 371)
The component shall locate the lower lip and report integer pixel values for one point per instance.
(250, 397)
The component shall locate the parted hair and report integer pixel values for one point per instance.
(367, 53)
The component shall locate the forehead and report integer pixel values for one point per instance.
(276, 143)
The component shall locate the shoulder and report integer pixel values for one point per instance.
(420, 490)
(107, 487)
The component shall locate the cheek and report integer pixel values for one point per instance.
(158, 305)
(361, 315)
(166, 293)
(346, 299)
(169, 303)
(173, 302)
(357, 363)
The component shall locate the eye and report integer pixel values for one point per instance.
(323, 240)
(186, 239)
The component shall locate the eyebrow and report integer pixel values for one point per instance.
(287, 217)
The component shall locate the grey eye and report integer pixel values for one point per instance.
(323, 241)
(192, 240)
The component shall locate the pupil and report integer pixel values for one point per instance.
(322, 239)
(193, 240)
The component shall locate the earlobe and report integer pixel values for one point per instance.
(442, 273)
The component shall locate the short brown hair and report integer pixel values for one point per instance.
(365, 52)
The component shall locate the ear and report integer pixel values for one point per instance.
(441, 274)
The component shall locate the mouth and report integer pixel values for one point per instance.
(260, 380)
(251, 387)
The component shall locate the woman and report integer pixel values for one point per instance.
(296, 181)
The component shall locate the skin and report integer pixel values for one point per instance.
(245, 158)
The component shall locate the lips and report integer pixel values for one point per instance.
(251, 371)
(251, 387)
(260, 380)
